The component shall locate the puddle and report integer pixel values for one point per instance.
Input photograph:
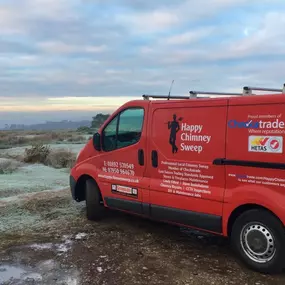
(33, 277)
(8, 273)
(59, 247)
(41, 246)
(45, 272)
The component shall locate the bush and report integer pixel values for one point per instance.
(38, 153)
(83, 129)
(55, 158)
(75, 139)
(61, 159)
(8, 166)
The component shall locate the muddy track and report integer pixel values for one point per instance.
(121, 249)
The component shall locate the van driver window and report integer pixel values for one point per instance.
(130, 123)
(109, 135)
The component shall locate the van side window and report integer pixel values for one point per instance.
(110, 135)
(124, 130)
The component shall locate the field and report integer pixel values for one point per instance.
(46, 239)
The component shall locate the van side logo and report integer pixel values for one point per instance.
(265, 144)
(174, 128)
(243, 125)
(277, 124)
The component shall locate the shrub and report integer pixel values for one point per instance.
(75, 139)
(83, 129)
(55, 158)
(38, 153)
(8, 166)
(61, 159)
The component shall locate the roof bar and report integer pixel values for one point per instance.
(146, 97)
(195, 93)
(247, 89)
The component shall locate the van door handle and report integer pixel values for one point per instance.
(154, 158)
(141, 157)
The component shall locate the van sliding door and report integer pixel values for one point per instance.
(185, 186)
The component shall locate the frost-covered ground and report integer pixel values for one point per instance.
(28, 178)
(18, 151)
(20, 187)
(32, 178)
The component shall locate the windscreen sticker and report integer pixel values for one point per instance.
(265, 144)
(124, 190)
(192, 136)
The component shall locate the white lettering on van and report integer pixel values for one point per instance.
(193, 148)
(191, 128)
(196, 138)
(193, 133)
(271, 125)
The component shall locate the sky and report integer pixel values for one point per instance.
(70, 59)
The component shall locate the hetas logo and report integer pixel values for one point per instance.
(265, 144)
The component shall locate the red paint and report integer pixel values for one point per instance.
(200, 134)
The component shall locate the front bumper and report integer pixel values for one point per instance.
(72, 185)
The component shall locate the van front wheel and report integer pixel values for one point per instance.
(258, 238)
(94, 206)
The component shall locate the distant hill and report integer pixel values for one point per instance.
(50, 126)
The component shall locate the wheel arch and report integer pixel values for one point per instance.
(243, 208)
(80, 187)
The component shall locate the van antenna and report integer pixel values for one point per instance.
(170, 89)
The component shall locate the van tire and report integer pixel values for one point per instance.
(95, 209)
(259, 226)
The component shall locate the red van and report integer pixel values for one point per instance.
(212, 164)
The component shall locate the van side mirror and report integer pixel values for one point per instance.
(97, 141)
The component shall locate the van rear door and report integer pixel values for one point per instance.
(184, 140)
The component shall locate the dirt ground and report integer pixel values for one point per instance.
(59, 246)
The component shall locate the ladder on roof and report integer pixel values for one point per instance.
(194, 94)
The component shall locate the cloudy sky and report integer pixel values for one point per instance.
(69, 59)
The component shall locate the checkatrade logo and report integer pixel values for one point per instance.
(243, 125)
(250, 124)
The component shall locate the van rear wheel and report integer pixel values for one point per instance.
(258, 238)
(95, 209)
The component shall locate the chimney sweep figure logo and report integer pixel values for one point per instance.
(174, 129)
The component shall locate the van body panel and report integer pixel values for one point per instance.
(199, 175)
(185, 178)
(255, 159)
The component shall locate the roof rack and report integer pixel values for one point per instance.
(248, 90)
(146, 97)
(194, 94)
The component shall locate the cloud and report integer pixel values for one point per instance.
(107, 49)
(189, 37)
(149, 21)
(29, 104)
(61, 47)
